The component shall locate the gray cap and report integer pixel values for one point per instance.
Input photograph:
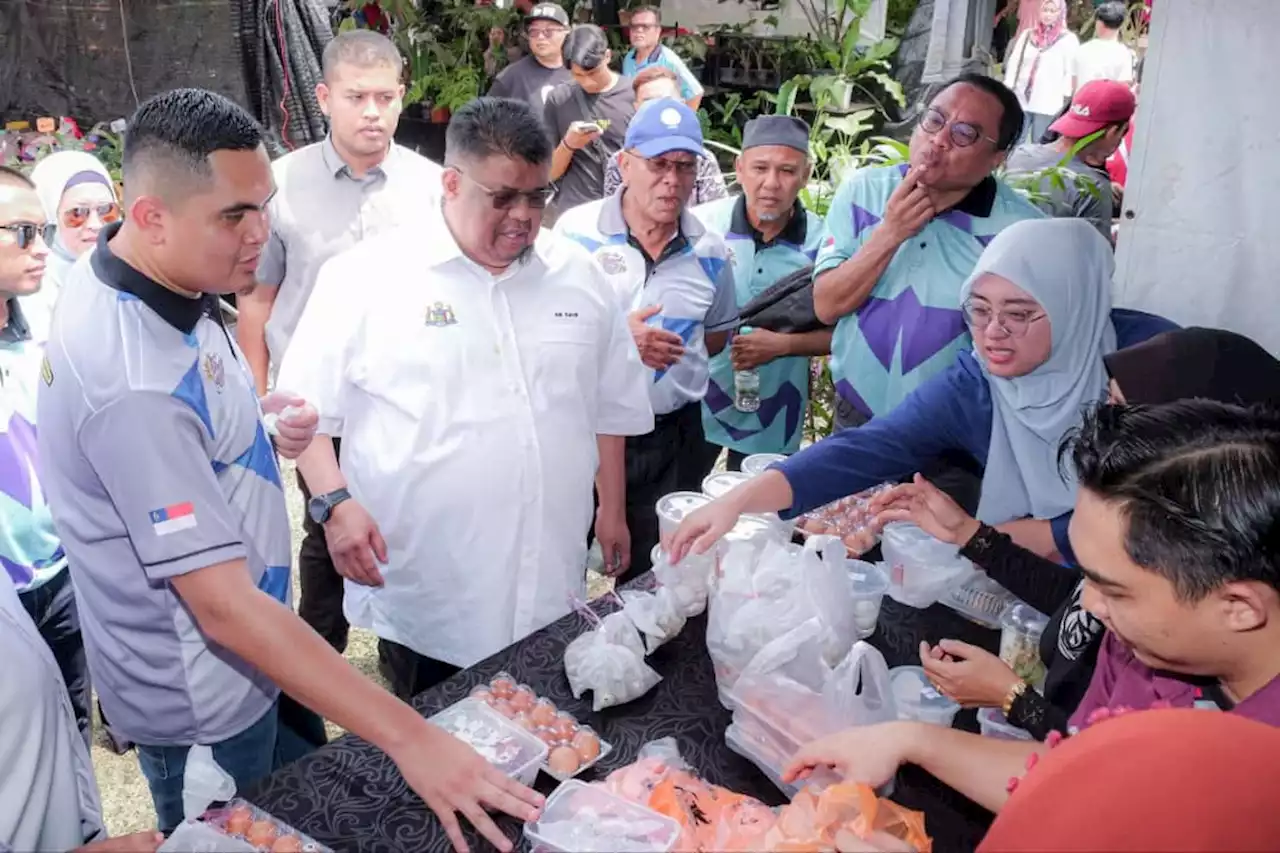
(547, 12)
(776, 130)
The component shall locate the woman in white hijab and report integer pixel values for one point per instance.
(79, 198)
(1038, 304)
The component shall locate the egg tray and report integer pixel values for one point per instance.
(211, 833)
(848, 516)
(605, 749)
(484, 694)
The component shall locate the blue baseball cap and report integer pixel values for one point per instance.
(662, 126)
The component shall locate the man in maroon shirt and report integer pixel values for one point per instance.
(1177, 529)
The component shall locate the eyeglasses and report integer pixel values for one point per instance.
(506, 198)
(664, 167)
(963, 134)
(28, 231)
(543, 32)
(1014, 323)
(75, 217)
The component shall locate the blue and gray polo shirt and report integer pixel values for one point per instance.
(157, 464)
(784, 383)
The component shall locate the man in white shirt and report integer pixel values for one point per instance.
(1105, 57)
(473, 382)
(330, 196)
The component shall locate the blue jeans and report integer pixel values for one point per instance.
(248, 757)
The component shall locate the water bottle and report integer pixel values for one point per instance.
(746, 385)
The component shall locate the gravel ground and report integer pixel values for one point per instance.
(126, 803)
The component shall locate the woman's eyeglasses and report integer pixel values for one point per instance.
(26, 233)
(962, 133)
(506, 198)
(979, 315)
(76, 217)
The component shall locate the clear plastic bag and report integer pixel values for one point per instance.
(921, 568)
(689, 582)
(850, 519)
(825, 569)
(615, 674)
(656, 614)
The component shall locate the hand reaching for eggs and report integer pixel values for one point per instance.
(453, 779)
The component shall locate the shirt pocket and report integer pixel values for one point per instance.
(566, 363)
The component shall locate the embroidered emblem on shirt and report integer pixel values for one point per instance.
(441, 314)
(46, 371)
(613, 263)
(171, 519)
(214, 371)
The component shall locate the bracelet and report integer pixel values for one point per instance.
(1012, 696)
(569, 147)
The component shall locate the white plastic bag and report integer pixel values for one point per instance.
(204, 782)
(656, 614)
(830, 592)
(689, 582)
(618, 628)
(858, 692)
(613, 673)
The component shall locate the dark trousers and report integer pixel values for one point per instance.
(672, 458)
(52, 607)
(411, 673)
(955, 473)
(320, 602)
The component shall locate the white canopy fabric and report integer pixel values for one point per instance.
(1198, 240)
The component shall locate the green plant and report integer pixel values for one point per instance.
(22, 151)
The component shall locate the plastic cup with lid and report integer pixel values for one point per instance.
(869, 586)
(757, 463)
(1021, 627)
(992, 723)
(721, 482)
(918, 699)
(921, 568)
(673, 508)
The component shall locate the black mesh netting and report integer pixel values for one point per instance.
(69, 57)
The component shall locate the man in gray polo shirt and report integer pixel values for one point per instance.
(166, 491)
(330, 196)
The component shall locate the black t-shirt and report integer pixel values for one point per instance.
(584, 180)
(530, 81)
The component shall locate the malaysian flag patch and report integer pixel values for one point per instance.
(171, 519)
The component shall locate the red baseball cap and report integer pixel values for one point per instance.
(1095, 105)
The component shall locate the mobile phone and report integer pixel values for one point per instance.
(585, 127)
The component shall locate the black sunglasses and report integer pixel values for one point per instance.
(27, 232)
(506, 198)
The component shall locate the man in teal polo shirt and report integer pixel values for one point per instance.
(647, 49)
(769, 236)
(901, 241)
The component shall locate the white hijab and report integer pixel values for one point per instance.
(1066, 266)
(52, 175)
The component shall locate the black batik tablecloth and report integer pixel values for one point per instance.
(350, 796)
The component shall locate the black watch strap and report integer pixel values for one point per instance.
(321, 506)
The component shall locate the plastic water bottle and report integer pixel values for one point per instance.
(746, 386)
(204, 782)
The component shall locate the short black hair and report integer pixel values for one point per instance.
(1198, 483)
(1011, 115)
(497, 127)
(1111, 14)
(361, 48)
(14, 178)
(651, 10)
(585, 46)
(171, 135)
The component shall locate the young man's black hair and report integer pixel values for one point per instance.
(586, 46)
(1111, 15)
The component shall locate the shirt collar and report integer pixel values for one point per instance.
(613, 224)
(444, 248)
(796, 230)
(181, 312)
(338, 167)
(980, 200)
(16, 330)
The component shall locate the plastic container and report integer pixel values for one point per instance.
(756, 529)
(980, 600)
(502, 743)
(918, 700)
(771, 764)
(757, 463)
(992, 723)
(721, 482)
(673, 508)
(238, 827)
(870, 584)
(921, 569)
(1020, 629)
(582, 818)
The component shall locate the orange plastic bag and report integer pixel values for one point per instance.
(850, 818)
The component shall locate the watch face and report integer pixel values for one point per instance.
(318, 509)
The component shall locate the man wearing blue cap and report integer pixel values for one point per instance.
(673, 277)
(769, 235)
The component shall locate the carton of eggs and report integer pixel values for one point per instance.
(239, 826)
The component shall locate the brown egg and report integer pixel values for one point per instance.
(503, 685)
(503, 707)
(287, 844)
(564, 761)
(543, 713)
(261, 834)
(524, 721)
(549, 737)
(238, 821)
(522, 699)
(587, 744)
(484, 694)
(564, 725)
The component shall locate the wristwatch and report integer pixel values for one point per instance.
(321, 507)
